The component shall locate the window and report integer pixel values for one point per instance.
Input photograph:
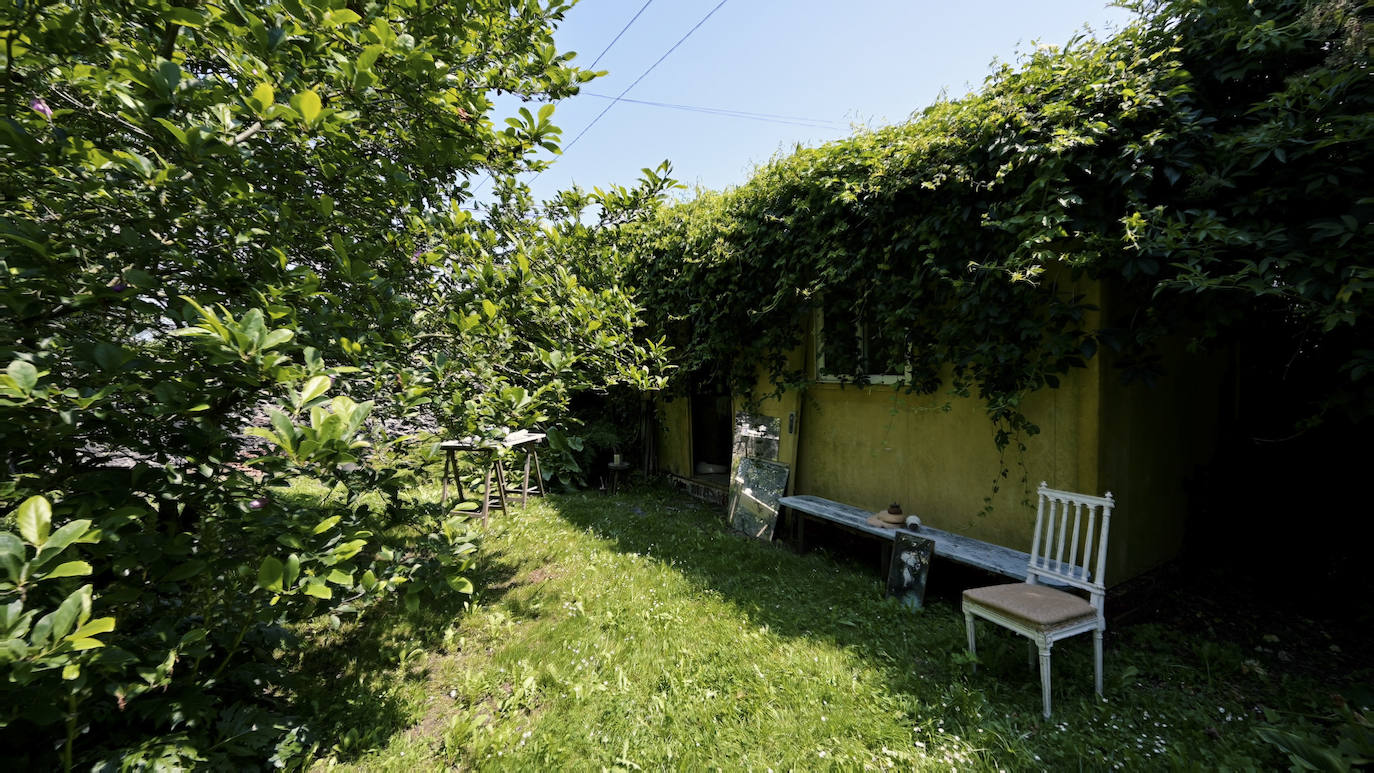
(849, 345)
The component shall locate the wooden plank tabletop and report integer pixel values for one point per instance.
(517, 438)
(523, 436)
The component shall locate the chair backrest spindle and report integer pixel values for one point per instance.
(1055, 539)
(1063, 532)
(1049, 534)
(1039, 520)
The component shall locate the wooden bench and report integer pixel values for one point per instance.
(955, 547)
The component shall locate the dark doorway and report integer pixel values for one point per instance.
(711, 439)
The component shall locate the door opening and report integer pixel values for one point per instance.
(711, 439)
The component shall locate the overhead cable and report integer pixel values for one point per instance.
(642, 76)
(795, 120)
(621, 32)
(617, 37)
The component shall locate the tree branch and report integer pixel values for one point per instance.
(248, 133)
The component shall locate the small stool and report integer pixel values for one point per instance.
(493, 467)
(527, 441)
(616, 468)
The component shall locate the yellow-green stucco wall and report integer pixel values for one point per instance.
(872, 445)
(935, 455)
(674, 444)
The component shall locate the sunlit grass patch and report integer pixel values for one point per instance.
(637, 631)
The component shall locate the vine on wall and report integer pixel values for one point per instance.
(1210, 163)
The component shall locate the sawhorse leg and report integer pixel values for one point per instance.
(495, 468)
(451, 467)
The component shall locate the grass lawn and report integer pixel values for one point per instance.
(636, 631)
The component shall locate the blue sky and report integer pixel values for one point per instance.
(835, 64)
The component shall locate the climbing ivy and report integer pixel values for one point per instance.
(1209, 165)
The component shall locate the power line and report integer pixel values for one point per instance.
(621, 32)
(617, 37)
(795, 120)
(641, 77)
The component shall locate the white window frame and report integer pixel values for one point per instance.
(830, 378)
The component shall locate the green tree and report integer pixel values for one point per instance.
(227, 229)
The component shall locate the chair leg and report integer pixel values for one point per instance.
(1045, 676)
(972, 642)
(1097, 655)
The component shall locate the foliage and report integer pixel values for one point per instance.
(544, 287)
(235, 253)
(637, 630)
(1209, 165)
(1307, 750)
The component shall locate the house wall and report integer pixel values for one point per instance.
(1153, 440)
(935, 454)
(869, 446)
(674, 437)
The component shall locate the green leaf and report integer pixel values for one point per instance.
(340, 578)
(86, 644)
(168, 76)
(69, 569)
(460, 584)
(264, 96)
(185, 571)
(12, 553)
(186, 17)
(59, 541)
(341, 16)
(97, 626)
(293, 570)
(277, 337)
(307, 103)
(34, 519)
(54, 626)
(327, 524)
(270, 574)
(25, 375)
(286, 431)
(369, 56)
(319, 590)
(314, 388)
(71, 671)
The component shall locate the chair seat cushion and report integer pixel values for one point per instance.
(1040, 607)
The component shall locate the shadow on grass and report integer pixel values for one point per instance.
(833, 593)
(350, 676)
(1153, 666)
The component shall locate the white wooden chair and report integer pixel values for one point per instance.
(1046, 615)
